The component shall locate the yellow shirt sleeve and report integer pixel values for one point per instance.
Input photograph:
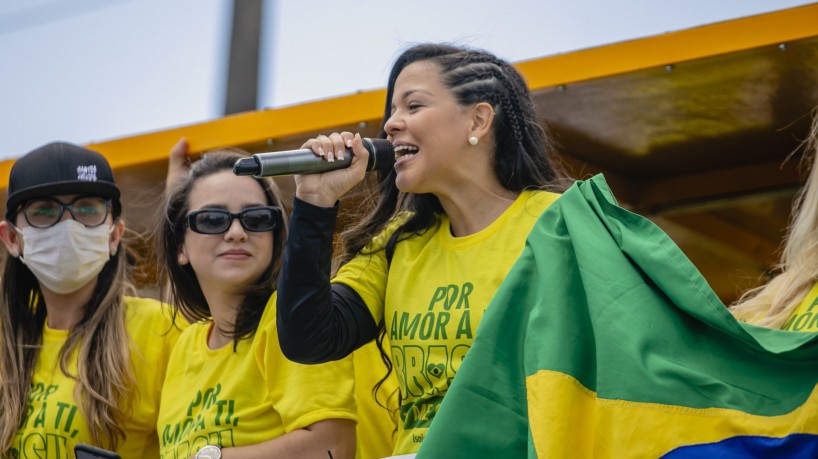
(303, 394)
(368, 271)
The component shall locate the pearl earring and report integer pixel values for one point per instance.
(473, 140)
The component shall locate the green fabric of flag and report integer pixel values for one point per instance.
(605, 341)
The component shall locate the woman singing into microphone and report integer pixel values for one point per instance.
(471, 178)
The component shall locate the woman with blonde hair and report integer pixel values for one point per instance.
(786, 301)
(80, 362)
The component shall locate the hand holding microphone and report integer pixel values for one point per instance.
(305, 161)
(321, 181)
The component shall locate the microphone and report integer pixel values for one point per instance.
(304, 161)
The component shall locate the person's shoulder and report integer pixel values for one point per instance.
(146, 309)
(189, 335)
(537, 201)
(379, 241)
(395, 222)
(143, 304)
(152, 317)
(267, 322)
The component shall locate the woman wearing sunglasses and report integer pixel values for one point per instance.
(229, 391)
(80, 362)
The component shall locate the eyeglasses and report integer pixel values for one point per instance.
(47, 212)
(218, 221)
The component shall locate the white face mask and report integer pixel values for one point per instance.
(66, 256)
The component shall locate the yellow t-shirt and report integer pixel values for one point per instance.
(218, 396)
(376, 427)
(805, 316)
(432, 297)
(55, 422)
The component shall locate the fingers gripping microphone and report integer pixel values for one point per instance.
(381, 157)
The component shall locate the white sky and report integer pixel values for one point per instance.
(92, 70)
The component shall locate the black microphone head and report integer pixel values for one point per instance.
(381, 154)
(246, 166)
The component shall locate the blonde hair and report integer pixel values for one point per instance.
(105, 381)
(772, 304)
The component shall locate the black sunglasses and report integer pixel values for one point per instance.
(218, 221)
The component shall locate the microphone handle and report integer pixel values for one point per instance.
(304, 161)
(300, 162)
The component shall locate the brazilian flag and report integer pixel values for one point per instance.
(605, 341)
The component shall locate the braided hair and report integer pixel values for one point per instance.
(523, 159)
(524, 156)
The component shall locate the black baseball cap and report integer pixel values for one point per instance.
(60, 168)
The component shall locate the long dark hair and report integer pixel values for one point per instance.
(524, 156)
(179, 282)
(105, 378)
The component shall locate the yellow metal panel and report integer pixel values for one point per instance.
(254, 127)
(243, 128)
(240, 129)
(770, 29)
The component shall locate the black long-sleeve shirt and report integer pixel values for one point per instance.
(317, 321)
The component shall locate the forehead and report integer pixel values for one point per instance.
(419, 75)
(226, 189)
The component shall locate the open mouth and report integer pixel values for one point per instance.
(403, 152)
